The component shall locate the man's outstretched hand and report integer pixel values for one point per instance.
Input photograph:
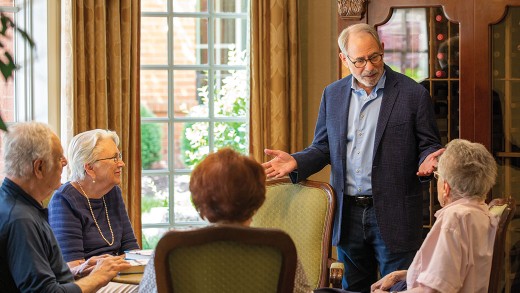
(430, 163)
(281, 165)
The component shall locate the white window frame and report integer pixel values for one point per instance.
(36, 84)
(172, 172)
(37, 80)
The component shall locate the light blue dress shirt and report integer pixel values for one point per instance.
(362, 123)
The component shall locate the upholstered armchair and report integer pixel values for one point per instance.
(225, 259)
(306, 212)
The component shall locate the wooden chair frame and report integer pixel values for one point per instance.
(500, 241)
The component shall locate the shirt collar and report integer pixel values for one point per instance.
(17, 191)
(476, 202)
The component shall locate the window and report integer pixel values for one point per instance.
(194, 100)
(405, 37)
(13, 107)
(26, 96)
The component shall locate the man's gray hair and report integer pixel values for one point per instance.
(356, 28)
(469, 169)
(83, 149)
(24, 143)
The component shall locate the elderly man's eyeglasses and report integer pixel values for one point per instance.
(360, 62)
(116, 158)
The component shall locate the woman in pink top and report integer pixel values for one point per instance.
(456, 255)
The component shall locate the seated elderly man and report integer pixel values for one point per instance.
(30, 258)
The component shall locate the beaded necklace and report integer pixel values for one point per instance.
(95, 221)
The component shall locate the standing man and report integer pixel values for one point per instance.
(376, 128)
(30, 258)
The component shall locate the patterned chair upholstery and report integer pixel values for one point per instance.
(505, 209)
(225, 259)
(306, 212)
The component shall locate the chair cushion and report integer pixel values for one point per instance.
(497, 209)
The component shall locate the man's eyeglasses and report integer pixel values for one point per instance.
(360, 62)
(436, 175)
(116, 158)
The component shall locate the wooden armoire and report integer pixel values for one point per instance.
(467, 54)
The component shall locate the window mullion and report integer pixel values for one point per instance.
(211, 74)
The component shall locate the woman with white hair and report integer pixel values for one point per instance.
(457, 253)
(87, 214)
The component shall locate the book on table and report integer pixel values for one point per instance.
(138, 258)
(137, 266)
(139, 254)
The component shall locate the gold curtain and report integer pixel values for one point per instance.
(276, 98)
(106, 40)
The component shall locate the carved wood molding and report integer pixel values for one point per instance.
(351, 9)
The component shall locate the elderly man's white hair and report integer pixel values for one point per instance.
(24, 143)
(344, 37)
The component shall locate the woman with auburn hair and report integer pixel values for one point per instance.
(226, 188)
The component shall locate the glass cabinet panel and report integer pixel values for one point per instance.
(424, 45)
(505, 51)
(506, 102)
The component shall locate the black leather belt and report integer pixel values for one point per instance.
(362, 201)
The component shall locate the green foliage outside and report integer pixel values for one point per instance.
(152, 196)
(7, 65)
(230, 100)
(413, 73)
(150, 140)
(150, 242)
(149, 202)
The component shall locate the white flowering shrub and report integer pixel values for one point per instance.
(230, 99)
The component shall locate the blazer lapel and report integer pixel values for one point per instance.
(343, 107)
(387, 104)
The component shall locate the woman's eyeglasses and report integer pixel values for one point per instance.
(116, 158)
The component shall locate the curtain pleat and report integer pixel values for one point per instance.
(106, 44)
(276, 95)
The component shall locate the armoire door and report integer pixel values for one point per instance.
(502, 24)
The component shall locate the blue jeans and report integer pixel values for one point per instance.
(363, 251)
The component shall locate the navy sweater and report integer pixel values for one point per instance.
(77, 234)
(30, 259)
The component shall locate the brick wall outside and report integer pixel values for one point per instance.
(154, 83)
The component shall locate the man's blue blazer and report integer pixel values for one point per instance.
(406, 133)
